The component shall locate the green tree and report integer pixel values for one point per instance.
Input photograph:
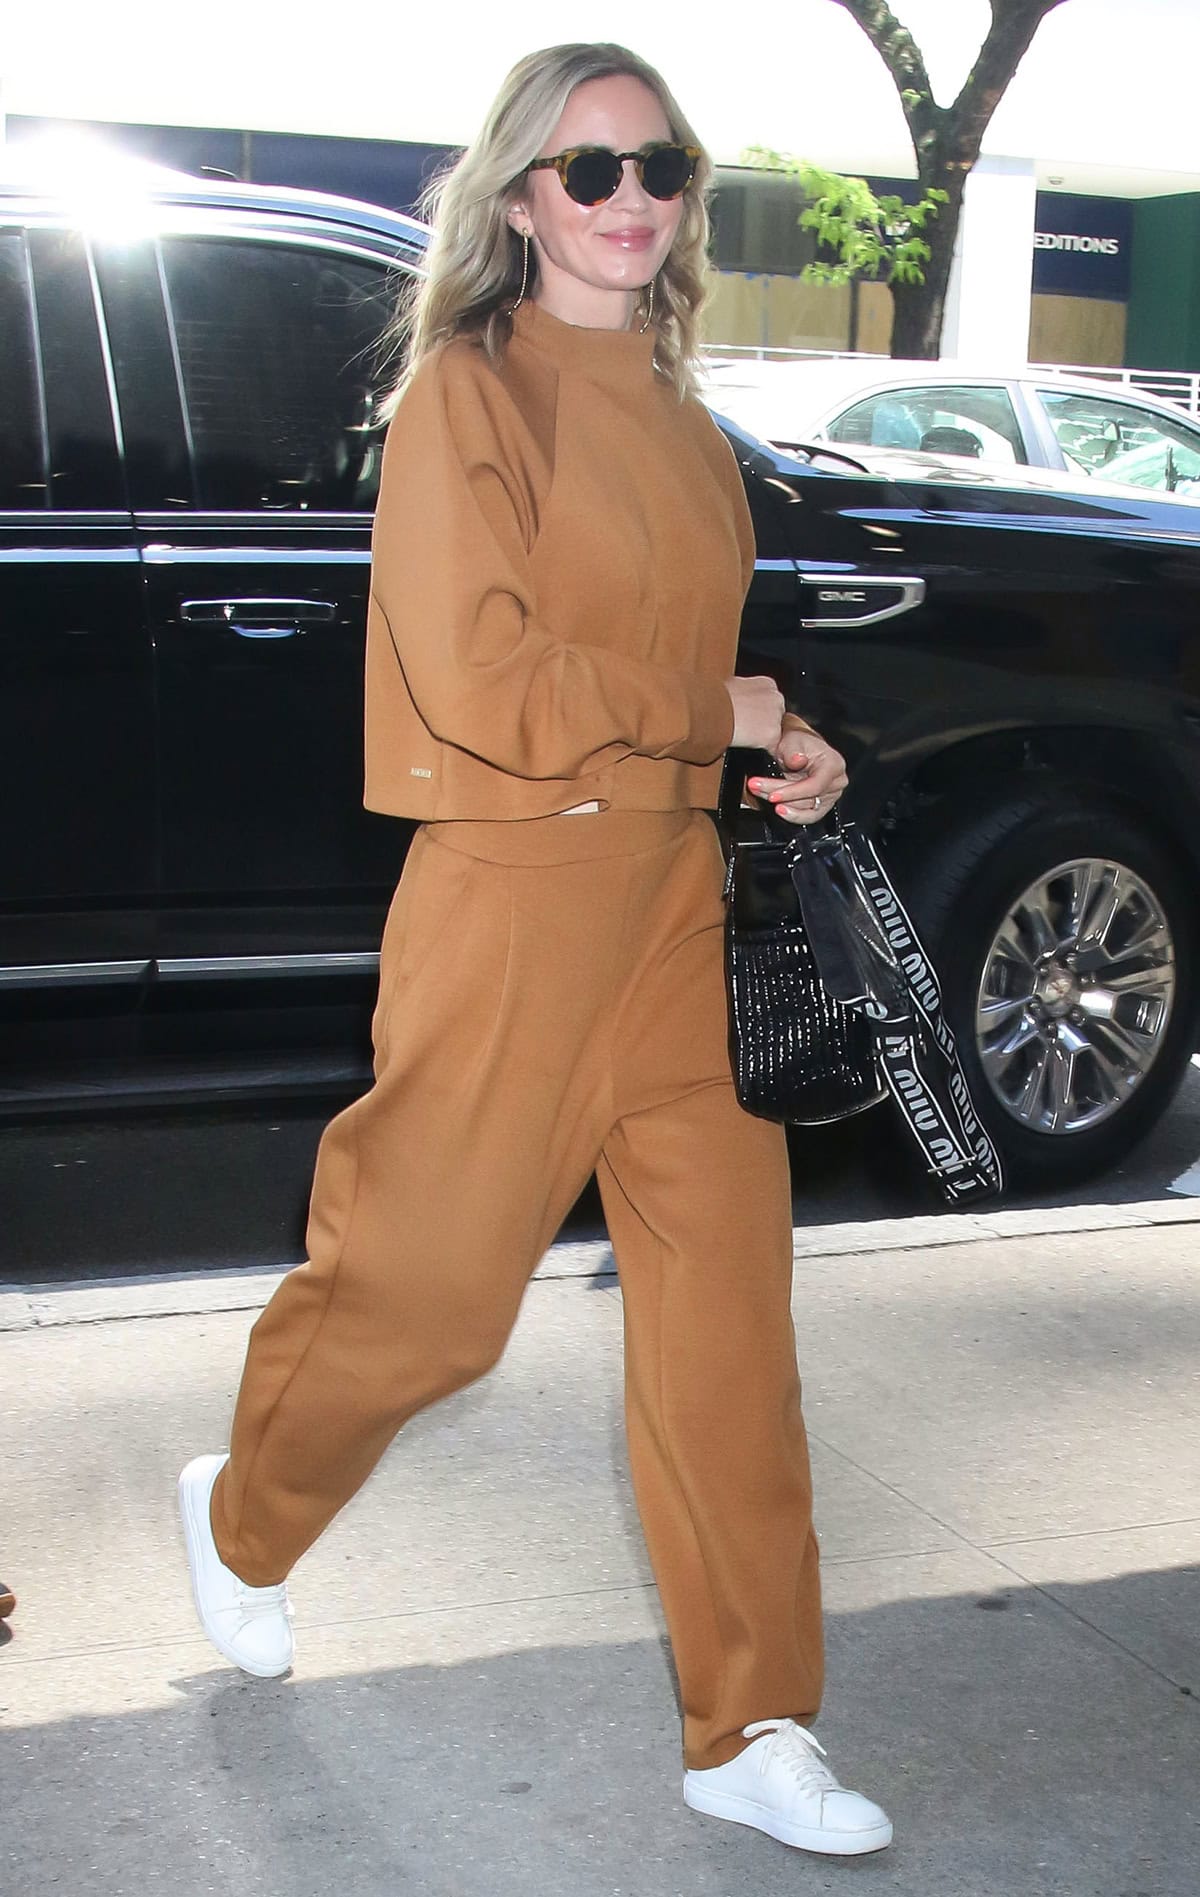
(912, 245)
(858, 234)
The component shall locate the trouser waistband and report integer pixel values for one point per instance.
(582, 837)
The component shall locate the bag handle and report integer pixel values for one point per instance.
(742, 763)
(851, 968)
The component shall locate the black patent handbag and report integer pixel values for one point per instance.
(801, 1051)
(833, 1003)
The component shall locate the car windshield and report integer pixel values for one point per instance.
(1123, 442)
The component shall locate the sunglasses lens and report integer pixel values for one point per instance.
(592, 176)
(667, 172)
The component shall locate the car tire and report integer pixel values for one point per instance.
(963, 882)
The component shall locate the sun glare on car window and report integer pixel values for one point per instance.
(106, 190)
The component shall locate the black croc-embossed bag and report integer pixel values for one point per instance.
(833, 1002)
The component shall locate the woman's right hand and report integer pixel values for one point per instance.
(758, 709)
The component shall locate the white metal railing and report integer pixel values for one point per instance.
(767, 353)
(1169, 385)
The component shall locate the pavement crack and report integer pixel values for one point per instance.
(303, 1622)
(1083, 1534)
(988, 1551)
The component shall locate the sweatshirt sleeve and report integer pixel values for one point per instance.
(450, 574)
(736, 489)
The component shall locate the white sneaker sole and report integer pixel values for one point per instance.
(744, 1811)
(195, 1497)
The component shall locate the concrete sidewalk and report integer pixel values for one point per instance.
(1005, 1438)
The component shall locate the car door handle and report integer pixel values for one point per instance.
(259, 618)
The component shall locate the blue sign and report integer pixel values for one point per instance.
(1081, 246)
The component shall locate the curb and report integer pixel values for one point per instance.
(198, 1293)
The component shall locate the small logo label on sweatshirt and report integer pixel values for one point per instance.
(416, 771)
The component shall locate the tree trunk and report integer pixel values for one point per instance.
(918, 309)
(946, 140)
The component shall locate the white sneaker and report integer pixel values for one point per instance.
(251, 1626)
(779, 1785)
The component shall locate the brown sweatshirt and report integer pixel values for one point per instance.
(560, 557)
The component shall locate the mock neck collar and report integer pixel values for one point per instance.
(603, 355)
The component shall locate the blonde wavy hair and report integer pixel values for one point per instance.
(473, 264)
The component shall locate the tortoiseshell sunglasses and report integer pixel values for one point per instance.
(591, 173)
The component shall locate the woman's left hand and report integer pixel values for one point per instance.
(816, 778)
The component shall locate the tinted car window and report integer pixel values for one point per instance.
(279, 358)
(1118, 441)
(978, 424)
(85, 467)
(157, 463)
(22, 441)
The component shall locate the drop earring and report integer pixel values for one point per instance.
(649, 308)
(524, 274)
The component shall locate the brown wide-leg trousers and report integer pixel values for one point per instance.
(552, 1001)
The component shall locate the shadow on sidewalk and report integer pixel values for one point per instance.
(1021, 1752)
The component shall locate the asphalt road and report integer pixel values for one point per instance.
(185, 1190)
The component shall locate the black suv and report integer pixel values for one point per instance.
(190, 889)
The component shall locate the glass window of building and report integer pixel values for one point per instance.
(756, 223)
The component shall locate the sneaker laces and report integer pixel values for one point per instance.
(256, 1603)
(795, 1749)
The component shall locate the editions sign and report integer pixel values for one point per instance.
(1081, 246)
(1085, 246)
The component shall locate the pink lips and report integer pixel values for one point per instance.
(634, 238)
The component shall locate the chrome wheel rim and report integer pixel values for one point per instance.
(1075, 996)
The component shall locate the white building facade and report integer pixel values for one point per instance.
(1080, 238)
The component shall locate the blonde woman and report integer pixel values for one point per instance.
(561, 553)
